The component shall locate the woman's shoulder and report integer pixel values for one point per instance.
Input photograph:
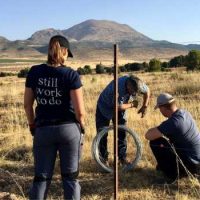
(36, 67)
(68, 70)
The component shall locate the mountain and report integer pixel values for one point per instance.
(103, 30)
(92, 30)
(3, 43)
(94, 39)
(193, 46)
(42, 37)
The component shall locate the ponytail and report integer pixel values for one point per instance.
(55, 54)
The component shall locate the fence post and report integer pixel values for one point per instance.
(115, 122)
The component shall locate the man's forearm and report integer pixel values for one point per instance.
(125, 106)
(146, 98)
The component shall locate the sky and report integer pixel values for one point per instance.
(172, 20)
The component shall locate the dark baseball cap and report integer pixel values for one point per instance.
(63, 43)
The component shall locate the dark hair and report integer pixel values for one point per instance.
(134, 80)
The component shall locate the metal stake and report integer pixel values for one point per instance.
(115, 122)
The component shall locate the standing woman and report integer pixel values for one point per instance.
(58, 120)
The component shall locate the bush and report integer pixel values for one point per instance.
(99, 69)
(81, 71)
(177, 61)
(4, 74)
(122, 69)
(128, 67)
(109, 70)
(23, 73)
(86, 70)
(145, 65)
(193, 60)
(131, 67)
(164, 64)
(154, 65)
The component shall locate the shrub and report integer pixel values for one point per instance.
(177, 61)
(85, 70)
(164, 65)
(193, 60)
(145, 65)
(4, 74)
(109, 70)
(132, 67)
(122, 69)
(81, 71)
(23, 73)
(154, 65)
(99, 69)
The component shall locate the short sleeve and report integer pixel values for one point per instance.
(143, 88)
(30, 79)
(167, 127)
(74, 80)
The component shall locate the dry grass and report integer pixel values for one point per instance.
(16, 163)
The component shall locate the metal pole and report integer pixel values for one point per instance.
(115, 122)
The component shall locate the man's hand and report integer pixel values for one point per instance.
(143, 111)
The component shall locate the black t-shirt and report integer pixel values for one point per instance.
(51, 86)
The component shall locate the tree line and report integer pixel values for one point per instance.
(191, 61)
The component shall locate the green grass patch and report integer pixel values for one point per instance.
(21, 60)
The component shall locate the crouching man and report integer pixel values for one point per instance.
(175, 143)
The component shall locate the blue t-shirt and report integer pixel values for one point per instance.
(106, 99)
(182, 131)
(51, 86)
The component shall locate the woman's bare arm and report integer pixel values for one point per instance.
(78, 104)
(28, 105)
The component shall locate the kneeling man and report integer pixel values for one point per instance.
(175, 143)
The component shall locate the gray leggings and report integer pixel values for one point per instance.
(49, 140)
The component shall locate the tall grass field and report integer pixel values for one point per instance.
(16, 159)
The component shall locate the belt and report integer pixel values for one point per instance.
(52, 122)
